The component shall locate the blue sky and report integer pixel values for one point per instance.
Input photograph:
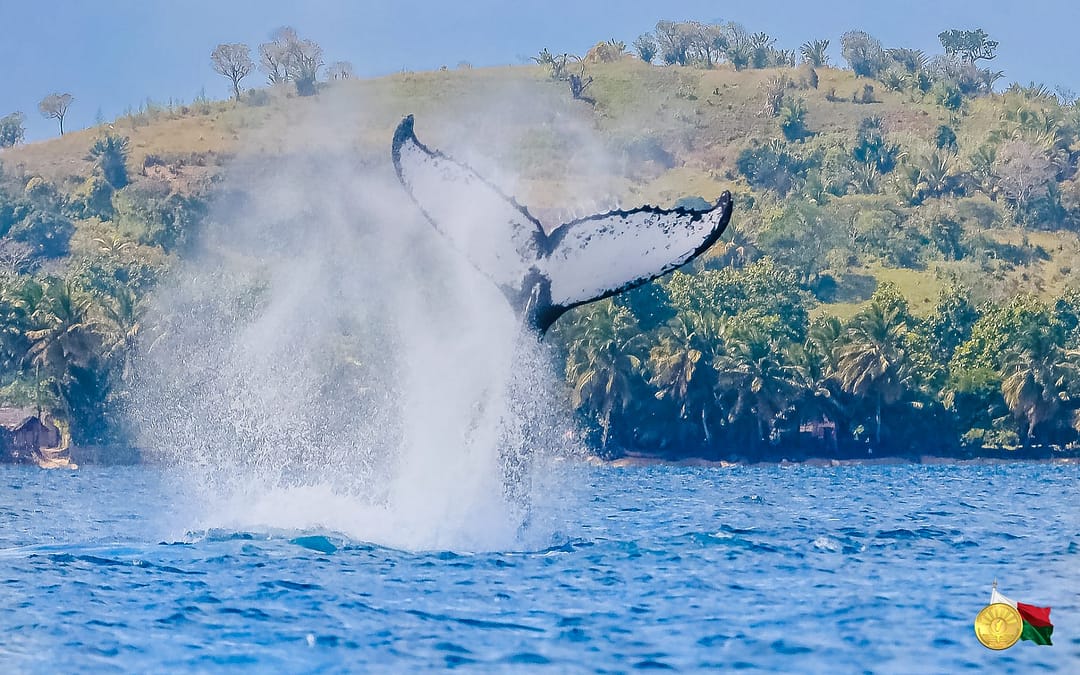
(114, 54)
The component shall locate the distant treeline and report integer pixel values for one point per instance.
(728, 364)
(741, 355)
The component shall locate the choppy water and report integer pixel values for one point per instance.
(797, 569)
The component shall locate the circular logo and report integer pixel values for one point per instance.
(998, 626)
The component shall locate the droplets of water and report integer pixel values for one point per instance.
(327, 362)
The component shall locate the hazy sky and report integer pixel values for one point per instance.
(112, 54)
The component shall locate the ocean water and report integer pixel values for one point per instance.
(767, 569)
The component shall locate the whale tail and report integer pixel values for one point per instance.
(544, 275)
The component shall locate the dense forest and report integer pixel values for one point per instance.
(897, 278)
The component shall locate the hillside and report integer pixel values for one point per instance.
(845, 182)
(654, 135)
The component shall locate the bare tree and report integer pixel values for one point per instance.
(674, 40)
(1023, 172)
(274, 61)
(274, 56)
(16, 257)
(307, 58)
(55, 106)
(288, 58)
(339, 70)
(579, 82)
(234, 62)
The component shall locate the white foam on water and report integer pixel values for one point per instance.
(326, 362)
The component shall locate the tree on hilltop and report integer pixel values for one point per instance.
(645, 45)
(307, 58)
(970, 45)
(55, 106)
(815, 53)
(863, 53)
(288, 58)
(674, 40)
(234, 62)
(12, 130)
(340, 70)
(274, 56)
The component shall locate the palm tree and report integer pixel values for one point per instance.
(113, 245)
(872, 361)
(983, 168)
(934, 174)
(18, 301)
(63, 335)
(815, 365)
(865, 176)
(122, 315)
(755, 379)
(681, 365)
(111, 153)
(911, 60)
(601, 362)
(1035, 383)
(792, 118)
(815, 53)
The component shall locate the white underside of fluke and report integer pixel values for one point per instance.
(580, 261)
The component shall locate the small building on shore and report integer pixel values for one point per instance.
(819, 435)
(26, 437)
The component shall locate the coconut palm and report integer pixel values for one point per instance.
(19, 299)
(63, 335)
(872, 361)
(1035, 384)
(120, 325)
(601, 363)
(815, 365)
(755, 380)
(681, 365)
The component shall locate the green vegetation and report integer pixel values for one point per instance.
(897, 277)
(740, 372)
(12, 129)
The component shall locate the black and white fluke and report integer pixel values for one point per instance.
(544, 275)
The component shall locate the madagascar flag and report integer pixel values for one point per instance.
(1037, 626)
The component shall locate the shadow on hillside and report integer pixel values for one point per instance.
(1023, 254)
(850, 287)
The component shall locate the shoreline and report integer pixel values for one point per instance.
(128, 456)
(641, 461)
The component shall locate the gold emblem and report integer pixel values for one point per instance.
(998, 626)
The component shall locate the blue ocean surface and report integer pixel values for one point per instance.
(764, 568)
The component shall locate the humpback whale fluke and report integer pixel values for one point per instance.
(544, 275)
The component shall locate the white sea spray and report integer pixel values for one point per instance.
(324, 361)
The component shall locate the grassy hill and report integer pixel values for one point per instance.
(845, 182)
(654, 134)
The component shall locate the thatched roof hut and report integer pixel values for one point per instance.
(26, 438)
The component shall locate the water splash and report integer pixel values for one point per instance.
(327, 362)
